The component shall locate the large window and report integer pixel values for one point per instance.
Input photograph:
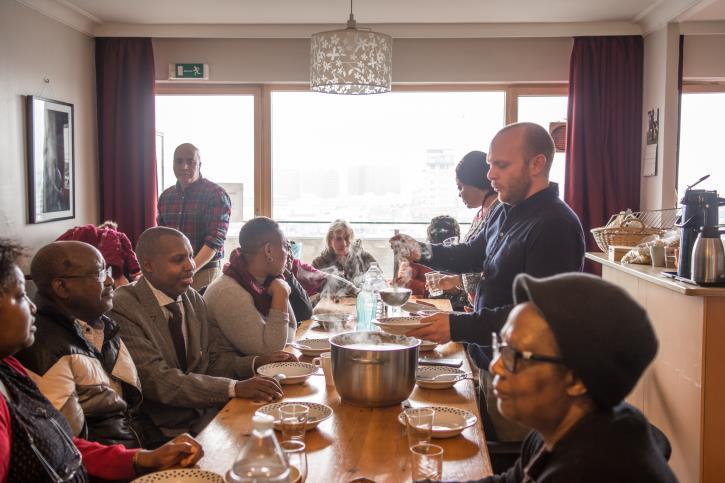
(222, 127)
(701, 131)
(382, 162)
(378, 161)
(545, 110)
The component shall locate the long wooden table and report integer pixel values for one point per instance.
(357, 443)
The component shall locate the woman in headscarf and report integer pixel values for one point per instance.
(475, 190)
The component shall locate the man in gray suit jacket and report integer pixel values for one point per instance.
(187, 368)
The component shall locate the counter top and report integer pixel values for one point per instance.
(653, 275)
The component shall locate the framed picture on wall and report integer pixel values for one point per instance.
(51, 160)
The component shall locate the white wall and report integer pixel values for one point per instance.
(414, 60)
(34, 47)
(661, 54)
(704, 57)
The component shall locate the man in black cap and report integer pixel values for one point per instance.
(572, 348)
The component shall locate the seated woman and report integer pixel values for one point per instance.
(343, 256)
(250, 301)
(412, 274)
(36, 442)
(114, 245)
(299, 296)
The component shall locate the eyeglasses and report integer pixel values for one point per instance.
(100, 276)
(511, 356)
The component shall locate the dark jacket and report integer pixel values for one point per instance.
(613, 445)
(76, 378)
(298, 299)
(540, 236)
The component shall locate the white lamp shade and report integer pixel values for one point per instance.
(351, 61)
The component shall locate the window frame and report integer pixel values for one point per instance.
(262, 94)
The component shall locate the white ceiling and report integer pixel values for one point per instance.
(400, 18)
(369, 11)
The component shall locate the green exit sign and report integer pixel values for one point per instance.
(189, 71)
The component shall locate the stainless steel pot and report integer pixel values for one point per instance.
(378, 374)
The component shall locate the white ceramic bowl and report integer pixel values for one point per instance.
(187, 475)
(416, 306)
(312, 347)
(295, 372)
(318, 413)
(399, 325)
(438, 377)
(333, 321)
(447, 421)
(427, 345)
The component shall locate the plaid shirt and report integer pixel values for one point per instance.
(201, 212)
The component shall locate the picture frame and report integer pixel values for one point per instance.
(51, 159)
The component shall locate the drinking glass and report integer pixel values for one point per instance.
(297, 459)
(426, 462)
(293, 418)
(431, 280)
(419, 424)
(449, 242)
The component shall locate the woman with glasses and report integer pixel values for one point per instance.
(250, 301)
(35, 439)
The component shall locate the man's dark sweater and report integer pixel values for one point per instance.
(614, 445)
(540, 236)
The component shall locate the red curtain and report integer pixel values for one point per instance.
(604, 129)
(126, 132)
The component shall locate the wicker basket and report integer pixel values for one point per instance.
(631, 232)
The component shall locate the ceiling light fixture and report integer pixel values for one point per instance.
(351, 60)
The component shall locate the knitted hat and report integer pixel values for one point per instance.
(603, 334)
(472, 170)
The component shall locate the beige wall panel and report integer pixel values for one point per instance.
(414, 60)
(34, 47)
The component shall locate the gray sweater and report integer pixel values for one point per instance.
(251, 333)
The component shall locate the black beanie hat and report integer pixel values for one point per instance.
(472, 170)
(604, 335)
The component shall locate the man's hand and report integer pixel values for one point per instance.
(406, 247)
(259, 388)
(279, 288)
(183, 450)
(439, 331)
(279, 356)
(449, 282)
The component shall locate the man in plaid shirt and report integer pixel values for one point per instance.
(200, 210)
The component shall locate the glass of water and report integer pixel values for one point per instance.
(426, 462)
(419, 425)
(431, 281)
(294, 451)
(293, 419)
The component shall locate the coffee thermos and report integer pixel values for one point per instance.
(699, 224)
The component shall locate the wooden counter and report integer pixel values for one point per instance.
(683, 391)
(357, 442)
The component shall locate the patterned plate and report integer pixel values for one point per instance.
(318, 413)
(296, 372)
(438, 377)
(399, 325)
(447, 421)
(427, 345)
(181, 476)
(312, 347)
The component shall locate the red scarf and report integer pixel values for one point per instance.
(237, 269)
